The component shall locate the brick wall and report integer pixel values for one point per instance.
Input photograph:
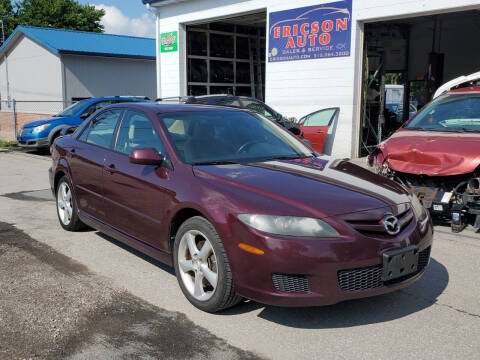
(7, 125)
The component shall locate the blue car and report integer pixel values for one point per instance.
(40, 134)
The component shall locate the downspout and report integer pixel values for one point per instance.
(8, 81)
(64, 81)
(155, 11)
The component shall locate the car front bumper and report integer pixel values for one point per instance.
(33, 143)
(316, 272)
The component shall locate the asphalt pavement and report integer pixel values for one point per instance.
(84, 295)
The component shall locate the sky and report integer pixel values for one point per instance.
(125, 17)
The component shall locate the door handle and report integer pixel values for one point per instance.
(320, 132)
(111, 168)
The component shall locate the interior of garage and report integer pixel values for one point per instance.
(406, 60)
(227, 56)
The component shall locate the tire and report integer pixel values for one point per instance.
(67, 206)
(52, 141)
(191, 267)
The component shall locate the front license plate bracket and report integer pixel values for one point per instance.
(399, 262)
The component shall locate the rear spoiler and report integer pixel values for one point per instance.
(452, 84)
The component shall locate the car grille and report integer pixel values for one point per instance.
(376, 228)
(290, 283)
(370, 277)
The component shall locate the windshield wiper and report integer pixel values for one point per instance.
(214, 163)
(285, 158)
(416, 128)
(459, 129)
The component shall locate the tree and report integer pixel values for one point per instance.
(61, 14)
(7, 15)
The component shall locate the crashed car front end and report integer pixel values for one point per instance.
(436, 155)
(454, 198)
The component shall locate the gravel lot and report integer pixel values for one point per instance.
(84, 295)
(54, 307)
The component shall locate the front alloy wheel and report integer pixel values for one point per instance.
(202, 267)
(198, 267)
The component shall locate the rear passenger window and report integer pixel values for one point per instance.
(100, 130)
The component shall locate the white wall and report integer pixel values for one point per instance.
(299, 87)
(94, 76)
(34, 73)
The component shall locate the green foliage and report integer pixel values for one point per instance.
(8, 144)
(61, 14)
(7, 14)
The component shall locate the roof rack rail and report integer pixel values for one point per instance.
(176, 99)
(130, 96)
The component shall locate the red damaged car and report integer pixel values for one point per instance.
(239, 206)
(436, 155)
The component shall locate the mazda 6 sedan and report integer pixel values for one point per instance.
(239, 206)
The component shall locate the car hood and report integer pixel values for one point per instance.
(432, 153)
(321, 186)
(41, 122)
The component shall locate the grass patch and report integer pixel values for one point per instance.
(8, 144)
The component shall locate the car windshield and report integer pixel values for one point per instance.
(216, 137)
(450, 113)
(72, 109)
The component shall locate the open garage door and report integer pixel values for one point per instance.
(406, 60)
(227, 57)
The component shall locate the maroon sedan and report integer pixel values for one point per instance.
(239, 206)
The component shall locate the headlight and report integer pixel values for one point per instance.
(289, 225)
(40, 128)
(417, 206)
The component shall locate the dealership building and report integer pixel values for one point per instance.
(372, 59)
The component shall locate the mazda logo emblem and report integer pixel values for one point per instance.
(391, 224)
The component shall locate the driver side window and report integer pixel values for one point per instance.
(137, 132)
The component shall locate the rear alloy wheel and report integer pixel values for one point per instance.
(67, 207)
(202, 267)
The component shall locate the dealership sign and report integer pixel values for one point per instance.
(314, 32)
(169, 41)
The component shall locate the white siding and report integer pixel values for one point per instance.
(299, 87)
(93, 76)
(34, 74)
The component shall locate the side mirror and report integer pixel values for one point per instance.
(147, 156)
(84, 116)
(295, 130)
(68, 130)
